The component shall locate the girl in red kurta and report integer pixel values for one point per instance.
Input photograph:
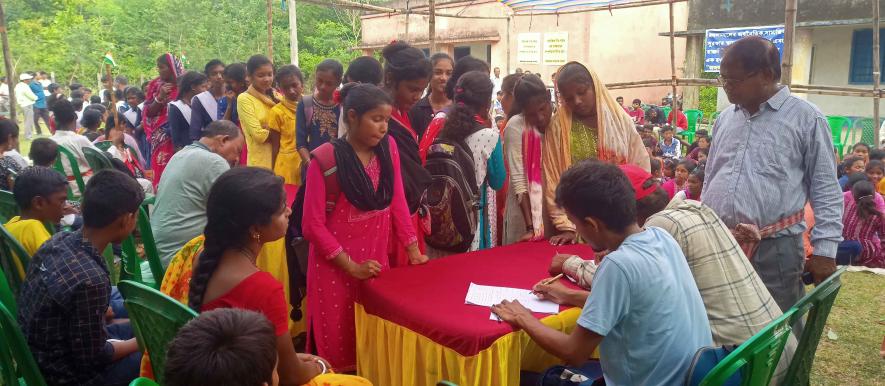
(349, 230)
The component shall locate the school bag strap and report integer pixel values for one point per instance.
(308, 108)
(324, 156)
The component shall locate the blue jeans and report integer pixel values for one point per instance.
(117, 304)
(122, 371)
(848, 252)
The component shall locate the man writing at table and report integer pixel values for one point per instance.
(644, 313)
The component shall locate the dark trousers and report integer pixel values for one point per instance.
(122, 371)
(38, 114)
(780, 263)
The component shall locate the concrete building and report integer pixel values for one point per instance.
(621, 45)
(833, 44)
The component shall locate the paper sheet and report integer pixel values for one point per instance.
(487, 296)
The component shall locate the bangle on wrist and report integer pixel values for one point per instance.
(322, 366)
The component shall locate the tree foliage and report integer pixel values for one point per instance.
(70, 37)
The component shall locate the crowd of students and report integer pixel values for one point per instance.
(394, 164)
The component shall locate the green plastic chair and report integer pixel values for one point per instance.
(17, 364)
(666, 110)
(131, 268)
(141, 381)
(14, 260)
(817, 305)
(75, 170)
(97, 160)
(8, 206)
(155, 319)
(150, 246)
(103, 145)
(714, 116)
(757, 358)
(868, 129)
(837, 129)
(111, 260)
(694, 117)
(7, 297)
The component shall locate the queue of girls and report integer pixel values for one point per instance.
(860, 176)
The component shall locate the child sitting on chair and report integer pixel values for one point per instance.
(65, 136)
(67, 289)
(41, 194)
(44, 152)
(225, 346)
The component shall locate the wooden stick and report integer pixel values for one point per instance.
(431, 24)
(673, 102)
(270, 30)
(789, 38)
(11, 79)
(876, 70)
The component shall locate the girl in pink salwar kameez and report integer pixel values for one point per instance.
(349, 232)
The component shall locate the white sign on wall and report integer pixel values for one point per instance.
(555, 48)
(528, 48)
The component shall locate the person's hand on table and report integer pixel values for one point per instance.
(821, 267)
(365, 270)
(564, 238)
(511, 312)
(556, 292)
(556, 264)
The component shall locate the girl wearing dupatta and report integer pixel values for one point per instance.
(253, 107)
(523, 219)
(588, 124)
(281, 119)
(406, 75)
(160, 92)
(349, 233)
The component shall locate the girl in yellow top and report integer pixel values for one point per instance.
(281, 119)
(253, 107)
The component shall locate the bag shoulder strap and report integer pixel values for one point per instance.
(308, 108)
(325, 157)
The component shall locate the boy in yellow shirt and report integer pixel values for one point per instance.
(41, 193)
(281, 118)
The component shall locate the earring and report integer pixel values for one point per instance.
(256, 236)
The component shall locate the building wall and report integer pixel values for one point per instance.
(621, 46)
(709, 14)
(832, 53)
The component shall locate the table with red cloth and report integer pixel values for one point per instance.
(414, 328)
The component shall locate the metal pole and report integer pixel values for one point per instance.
(431, 22)
(293, 33)
(789, 38)
(673, 104)
(270, 30)
(876, 70)
(7, 61)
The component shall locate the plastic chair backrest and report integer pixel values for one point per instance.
(103, 145)
(97, 160)
(17, 364)
(693, 116)
(817, 305)
(155, 318)
(75, 170)
(7, 297)
(14, 259)
(666, 110)
(868, 129)
(757, 358)
(131, 269)
(8, 206)
(150, 246)
(837, 130)
(142, 381)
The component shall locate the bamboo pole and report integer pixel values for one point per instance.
(293, 33)
(674, 102)
(406, 38)
(876, 71)
(431, 23)
(790, 7)
(374, 8)
(7, 62)
(270, 30)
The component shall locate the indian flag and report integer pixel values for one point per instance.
(108, 59)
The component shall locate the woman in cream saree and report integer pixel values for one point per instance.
(589, 124)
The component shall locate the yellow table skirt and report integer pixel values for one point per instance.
(391, 355)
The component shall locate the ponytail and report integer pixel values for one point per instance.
(865, 199)
(240, 199)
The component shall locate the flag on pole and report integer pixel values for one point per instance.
(108, 59)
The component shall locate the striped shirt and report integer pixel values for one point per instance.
(763, 167)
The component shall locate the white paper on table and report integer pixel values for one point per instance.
(487, 296)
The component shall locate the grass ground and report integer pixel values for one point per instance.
(858, 321)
